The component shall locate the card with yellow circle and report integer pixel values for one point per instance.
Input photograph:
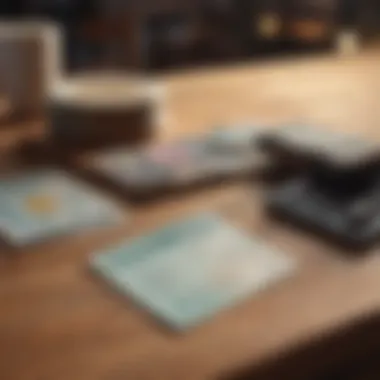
(40, 204)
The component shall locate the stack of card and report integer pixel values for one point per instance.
(221, 155)
(311, 144)
(189, 271)
(40, 204)
(336, 192)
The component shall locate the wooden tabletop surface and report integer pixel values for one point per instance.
(57, 321)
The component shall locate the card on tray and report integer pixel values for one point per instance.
(340, 150)
(188, 271)
(237, 139)
(234, 150)
(37, 205)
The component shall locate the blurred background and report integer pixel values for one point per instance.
(50, 115)
(162, 34)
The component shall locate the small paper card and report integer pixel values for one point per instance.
(40, 204)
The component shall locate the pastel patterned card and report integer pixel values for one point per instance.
(188, 271)
(222, 154)
(154, 166)
(40, 204)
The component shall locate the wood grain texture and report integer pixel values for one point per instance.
(58, 321)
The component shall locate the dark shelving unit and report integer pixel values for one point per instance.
(162, 34)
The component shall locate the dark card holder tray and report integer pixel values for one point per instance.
(146, 194)
(326, 218)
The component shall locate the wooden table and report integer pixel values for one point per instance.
(57, 321)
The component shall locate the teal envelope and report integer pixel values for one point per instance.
(190, 270)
